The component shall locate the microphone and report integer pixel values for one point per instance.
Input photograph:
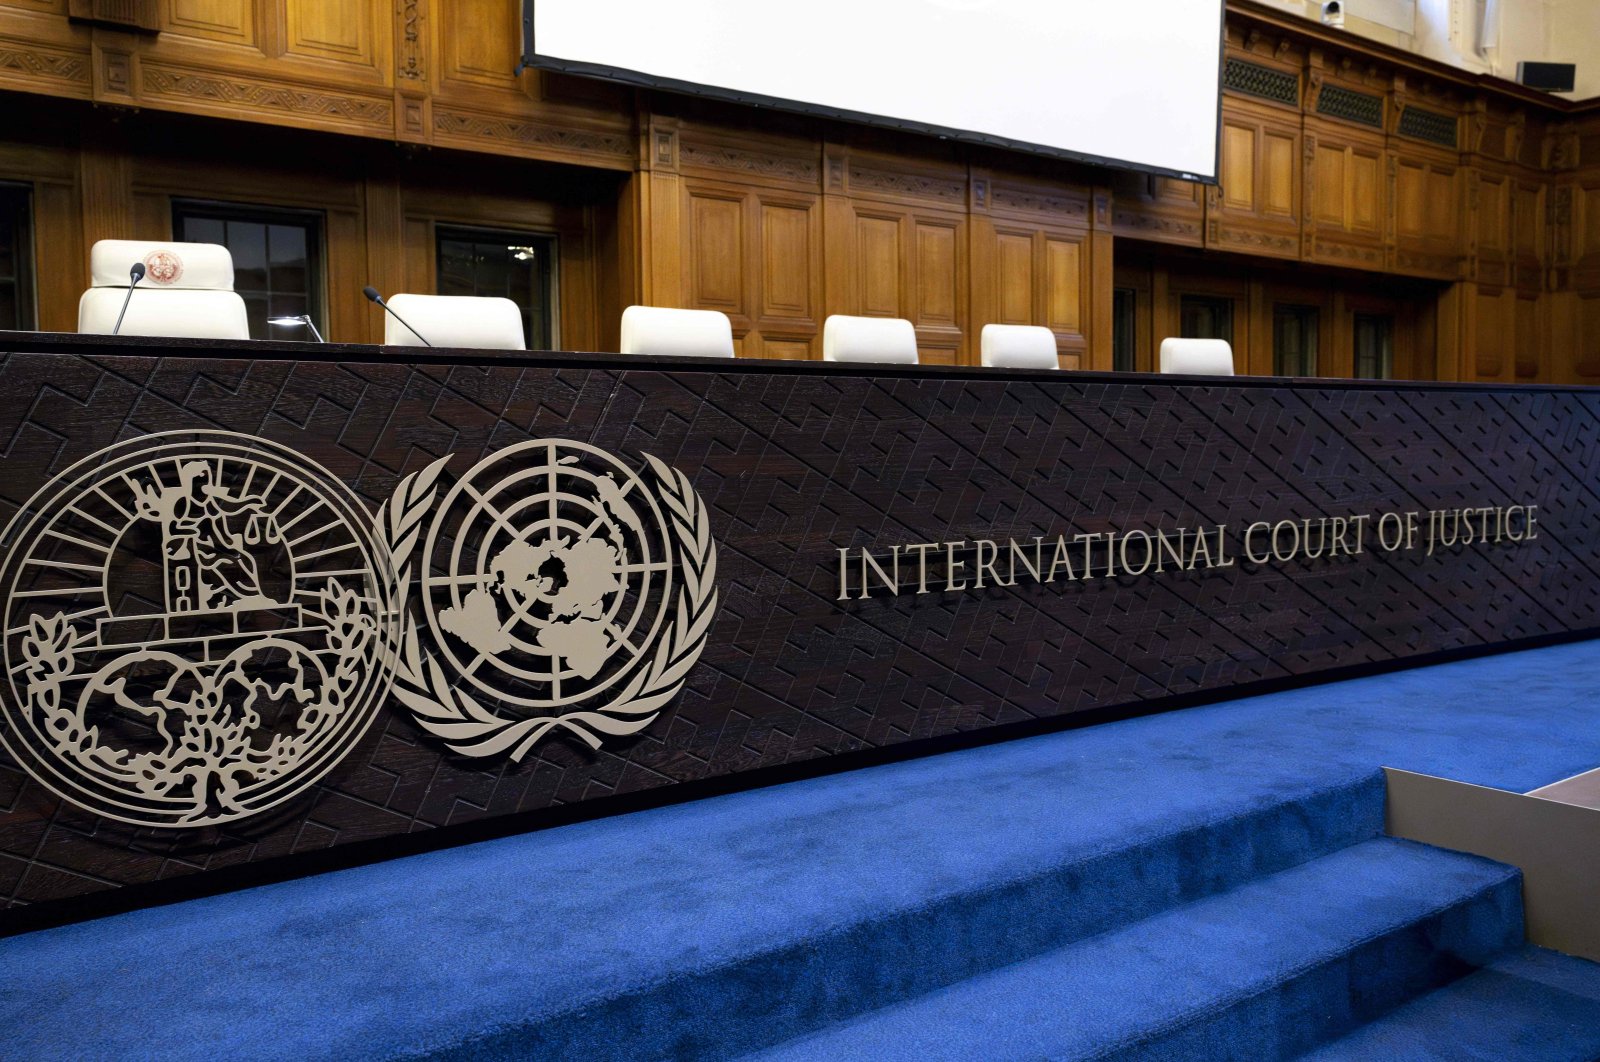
(135, 275)
(372, 293)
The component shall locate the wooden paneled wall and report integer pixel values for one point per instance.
(779, 232)
(105, 175)
(1336, 154)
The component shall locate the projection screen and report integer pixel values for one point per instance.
(1131, 83)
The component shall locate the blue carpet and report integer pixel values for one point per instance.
(1244, 975)
(1530, 1006)
(729, 925)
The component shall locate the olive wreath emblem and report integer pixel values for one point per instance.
(464, 724)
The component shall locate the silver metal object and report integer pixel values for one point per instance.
(297, 319)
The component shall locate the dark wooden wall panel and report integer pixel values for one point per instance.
(794, 463)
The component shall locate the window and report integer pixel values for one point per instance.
(1122, 329)
(277, 259)
(518, 266)
(1206, 317)
(1294, 340)
(16, 258)
(1374, 339)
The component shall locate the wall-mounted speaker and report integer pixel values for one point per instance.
(1548, 77)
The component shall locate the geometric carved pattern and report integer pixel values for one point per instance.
(1336, 102)
(1262, 81)
(487, 127)
(289, 98)
(1431, 126)
(39, 63)
(763, 163)
(867, 178)
(794, 464)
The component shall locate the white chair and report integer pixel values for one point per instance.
(1018, 347)
(882, 339)
(684, 333)
(1197, 357)
(187, 291)
(473, 321)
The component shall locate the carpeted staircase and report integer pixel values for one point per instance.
(1211, 884)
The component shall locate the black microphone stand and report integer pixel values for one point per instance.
(135, 275)
(372, 293)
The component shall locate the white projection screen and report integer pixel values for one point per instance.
(1132, 83)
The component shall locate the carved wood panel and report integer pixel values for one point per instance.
(716, 252)
(342, 30)
(1494, 228)
(228, 21)
(756, 255)
(1429, 209)
(912, 265)
(1036, 276)
(480, 43)
(1256, 210)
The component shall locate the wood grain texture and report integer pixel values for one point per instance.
(806, 206)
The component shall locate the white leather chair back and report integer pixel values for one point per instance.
(1197, 357)
(1018, 347)
(685, 333)
(475, 321)
(883, 339)
(187, 291)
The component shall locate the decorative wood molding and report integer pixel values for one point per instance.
(1142, 224)
(1515, 132)
(412, 115)
(1012, 199)
(665, 145)
(1564, 149)
(280, 100)
(1344, 253)
(31, 66)
(1439, 265)
(115, 68)
(912, 185)
(1559, 212)
(1250, 240)
(838, 175)
(501, 132)
(725, 158)
(410, 65)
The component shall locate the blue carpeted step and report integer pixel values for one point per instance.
(1530, 1006)
(728, 924)
(1266, 971)
(701, 930)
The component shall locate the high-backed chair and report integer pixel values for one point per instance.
(187, 291)
(686, 333)
(479, 322)
(1018, 347)
(887, 339)
(1197, 357)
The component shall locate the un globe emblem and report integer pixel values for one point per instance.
(563, 590)
(198, 627)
